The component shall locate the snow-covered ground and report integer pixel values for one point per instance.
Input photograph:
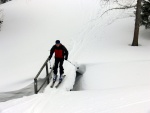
(116, 75)
(28, 33)
(128, 100)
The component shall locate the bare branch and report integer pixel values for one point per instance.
(124, 7)
(133, 2)
(119, 3)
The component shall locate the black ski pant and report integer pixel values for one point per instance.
(59, 61)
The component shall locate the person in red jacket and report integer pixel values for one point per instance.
(61, 53)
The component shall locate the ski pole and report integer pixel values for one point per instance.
(50, 64)
(73, 64)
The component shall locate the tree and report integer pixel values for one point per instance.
(137, 18)
(137, 24)
(145, 14)
(4, 1)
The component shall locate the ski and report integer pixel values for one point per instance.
(60, 82)
(53, 84)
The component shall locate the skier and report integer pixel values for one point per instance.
(61, 53)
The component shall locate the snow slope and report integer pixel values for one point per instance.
(112, 61)
(95, 101)
(28, 33)
(116, 77)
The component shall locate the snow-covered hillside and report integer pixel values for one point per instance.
(116, 75)
(30, 29)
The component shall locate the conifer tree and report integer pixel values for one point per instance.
(145, 14)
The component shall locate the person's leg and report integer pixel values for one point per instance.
(61, 66)
(56, 66)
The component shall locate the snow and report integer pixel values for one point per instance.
(114, 62)
(95, 101)
(115, 75)
(26, 47)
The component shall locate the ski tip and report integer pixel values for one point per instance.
(51, 86)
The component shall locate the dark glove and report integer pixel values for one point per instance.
(66, 58)
(49, 58)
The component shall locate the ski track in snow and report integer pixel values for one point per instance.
(107, 101)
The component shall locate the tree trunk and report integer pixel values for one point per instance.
(137, 24)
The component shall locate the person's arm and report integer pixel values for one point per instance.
(66, 53)
(51, 52)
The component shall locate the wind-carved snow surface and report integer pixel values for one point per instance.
(115, 75)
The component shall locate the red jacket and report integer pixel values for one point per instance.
(60, 52)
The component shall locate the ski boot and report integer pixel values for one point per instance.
(61, 77)
(54, 78)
